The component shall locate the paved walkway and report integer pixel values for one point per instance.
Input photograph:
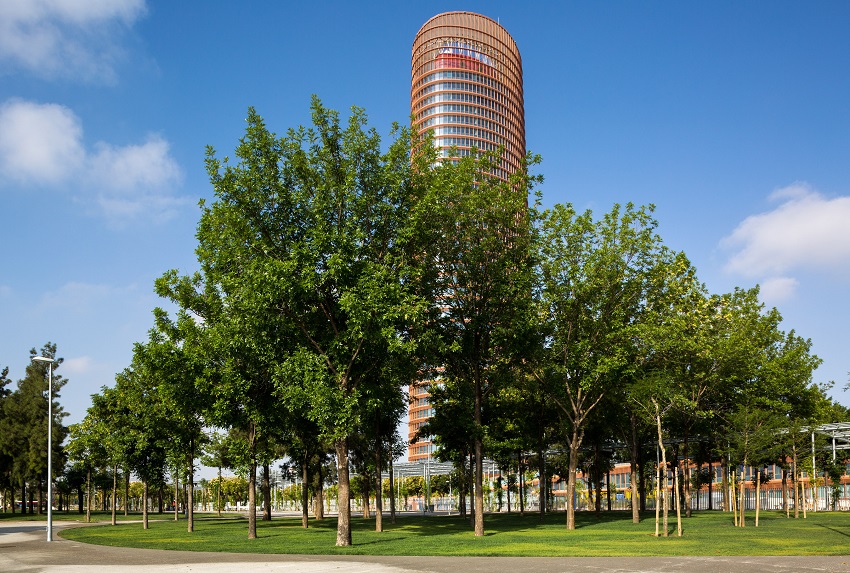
(23, 549)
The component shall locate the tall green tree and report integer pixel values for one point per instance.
(595, 279)
(451, 429)
(5, 443)
(655, 395)
(24, 424)
(171, 355)
(107, 410)
(232, 335)
(145, 423)
(384, 405)
(87, 448)
(676, 342)
(304, 274)
(476, 234)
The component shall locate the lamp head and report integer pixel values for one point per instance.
(42, 359)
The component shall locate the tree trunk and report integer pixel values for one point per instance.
(678, 500)
(176, 495)
(724, 469)
(190, 485)
(379, 493)
(508, 489)
(541, 472)
(575, 442)
(367, 494)
(813, 482)
(379, 504)
(710, 482)
(267, 490)
(733, 496)
(479, 461)
(686, 474)
(88, 495)
(471, 482)
(741, 484)
(319, 510)
(114, 492)
(521, 486)
(462, 489)
(252, 496)
(145, 504)
(785, 505)
(658, 498)
(343, 528)
(252, 480)
(795, 482)
(126, 492)
(218, 492)
(305, 493)
(663, 467)
(758, 495)
(633, 485)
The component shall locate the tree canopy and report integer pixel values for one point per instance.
(336, 269)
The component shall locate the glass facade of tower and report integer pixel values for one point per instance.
(466, 88)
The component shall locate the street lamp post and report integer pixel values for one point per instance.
(49, 362)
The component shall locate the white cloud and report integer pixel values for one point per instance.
(131, 179)
(42, 144)
(79, 365)
(778, 289)
(39, 143)
(79, 298)
(67, 38)
(132, 167)
(805, 231)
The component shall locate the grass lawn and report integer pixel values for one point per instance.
(706, 533)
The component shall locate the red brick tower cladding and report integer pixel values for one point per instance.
(466, 87)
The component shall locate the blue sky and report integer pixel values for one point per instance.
(732, 117)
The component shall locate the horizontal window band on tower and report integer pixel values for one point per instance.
(453, 108)
(477, 79)
(464, 142)
(494, 95)
(464, 97)
(470, 131)
(437, 120)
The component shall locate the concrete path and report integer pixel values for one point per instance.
(23, 549)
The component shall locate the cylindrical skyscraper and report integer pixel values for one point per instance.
(467, 87)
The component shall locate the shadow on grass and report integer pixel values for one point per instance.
(834, 530)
